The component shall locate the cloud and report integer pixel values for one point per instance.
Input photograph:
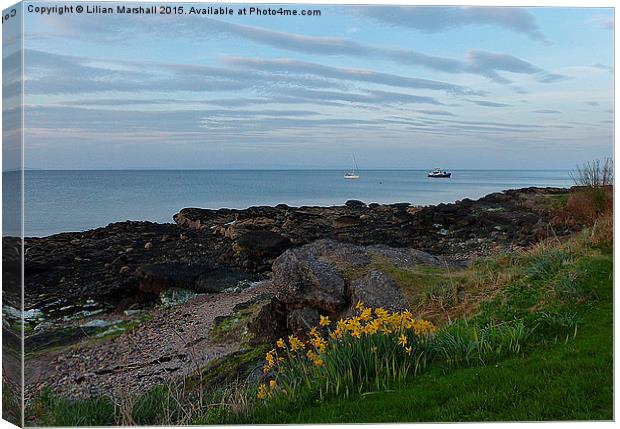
(367, 97)
(488, 103)
(270, 79)
(599, 66)
(592, 103)
(437, 19)
(437, 112)
(361, 75)
(546, 111)
(603, 21)
(475, 62)
(489, 63)
(45, 74)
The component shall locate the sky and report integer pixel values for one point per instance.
(398, 87)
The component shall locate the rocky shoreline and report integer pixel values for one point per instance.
(85, 289)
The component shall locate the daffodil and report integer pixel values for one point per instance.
(296, 343)
(270, 357)
(402, 340)
(262, 392)
(324, 321)
(366, 314)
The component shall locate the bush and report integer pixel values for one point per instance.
(586, 204)
(594, 173)
(592, 195)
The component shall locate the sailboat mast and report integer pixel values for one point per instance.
(354, 165)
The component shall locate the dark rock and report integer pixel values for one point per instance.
(400, 206)
(376, 289)
(355, 203)
(156, 278)
(262, 243)
(270, 323)
(302, 319)
(220, 279)
(346, 221)
(401, 216)
(94, 264)
(303, 279)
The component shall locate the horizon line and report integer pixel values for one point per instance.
(283, 169)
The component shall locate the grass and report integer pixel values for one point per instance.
(523, 336)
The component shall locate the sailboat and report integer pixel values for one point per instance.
(352, 174)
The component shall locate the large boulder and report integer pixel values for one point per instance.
(328, 277)
(303, 279)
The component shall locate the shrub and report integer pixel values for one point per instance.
(591, 197)
(586, 204)
(594, 173)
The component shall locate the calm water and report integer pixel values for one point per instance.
(58, 201)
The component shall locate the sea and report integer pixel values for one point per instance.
(63, 201)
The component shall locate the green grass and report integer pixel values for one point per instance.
(49, 410)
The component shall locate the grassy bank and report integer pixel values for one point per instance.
(560, 380)
(522, 336)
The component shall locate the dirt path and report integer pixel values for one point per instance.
(173, 343)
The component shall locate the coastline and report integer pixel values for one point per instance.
(97, 198)
(108, 280)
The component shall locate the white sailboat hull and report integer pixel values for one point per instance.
(352, 174)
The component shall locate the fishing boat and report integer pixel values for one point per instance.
(438, 173)
(352, 174)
